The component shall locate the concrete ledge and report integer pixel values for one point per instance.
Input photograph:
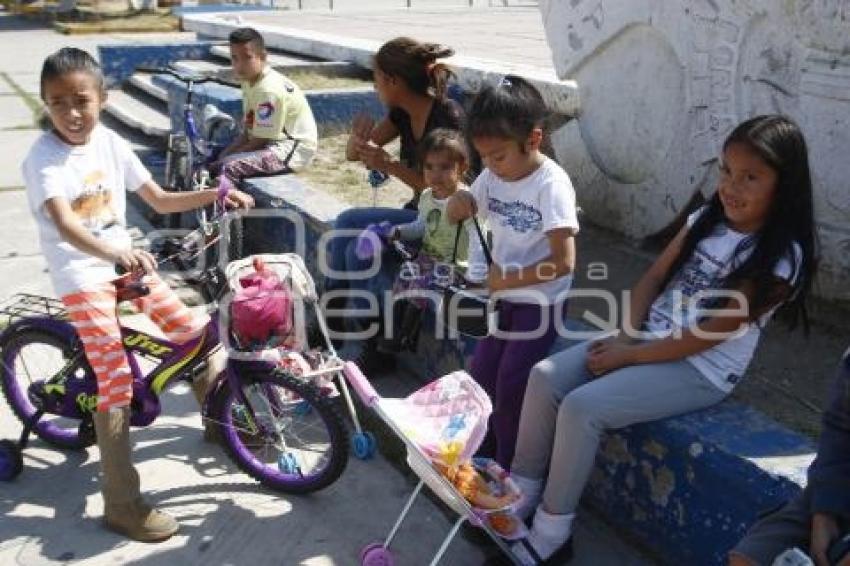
(288, 63)
(561, 96)
(686, 487)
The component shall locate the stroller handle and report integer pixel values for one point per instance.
(360, 384)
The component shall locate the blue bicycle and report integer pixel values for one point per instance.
(191, 150)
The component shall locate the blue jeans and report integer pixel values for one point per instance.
(376, 285)
(357, 219)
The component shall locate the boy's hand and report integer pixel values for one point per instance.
(460, 207)
(134, 260)
(238, 199)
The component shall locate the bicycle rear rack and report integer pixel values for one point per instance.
(22, 305)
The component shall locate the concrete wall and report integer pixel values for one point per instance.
(662, 83)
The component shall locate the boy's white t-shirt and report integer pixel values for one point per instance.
(519, 214)
(93, 178)
(714, 258)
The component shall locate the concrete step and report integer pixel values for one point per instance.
(137, 114)
(144, 82)
(273, 59)
(217, 69)
(291, 62)
(201, 67)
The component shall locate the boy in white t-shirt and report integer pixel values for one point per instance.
(280, 133)
(77, 175)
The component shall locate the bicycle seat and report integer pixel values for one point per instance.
(130, 287)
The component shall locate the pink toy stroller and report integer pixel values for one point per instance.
(442, 425)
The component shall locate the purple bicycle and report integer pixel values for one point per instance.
(279, 429)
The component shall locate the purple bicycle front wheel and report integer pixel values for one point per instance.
(266, 424)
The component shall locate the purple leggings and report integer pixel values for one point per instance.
(248, 164)
(501, 366)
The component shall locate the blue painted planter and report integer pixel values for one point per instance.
(328, 106)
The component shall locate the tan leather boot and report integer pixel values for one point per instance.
(124, 510)
(216, 364)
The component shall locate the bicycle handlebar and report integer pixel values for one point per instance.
(182, 245)
(182, 77)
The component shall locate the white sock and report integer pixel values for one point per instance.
(531, 490)
(547, 535)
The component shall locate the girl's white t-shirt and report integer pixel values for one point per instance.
(679, 306)
(93, 178)
(519, 214)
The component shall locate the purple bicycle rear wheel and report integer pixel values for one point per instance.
(268, 426)
(35, 356)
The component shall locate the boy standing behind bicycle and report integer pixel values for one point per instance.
(280, 134)
(77, 175)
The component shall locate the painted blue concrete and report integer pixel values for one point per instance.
(686, 487)
(119, 62)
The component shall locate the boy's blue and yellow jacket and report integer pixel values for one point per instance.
(829, 474)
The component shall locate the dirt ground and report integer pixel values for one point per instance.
(347, 180)
(313, 80)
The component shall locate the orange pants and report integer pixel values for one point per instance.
(92, 312)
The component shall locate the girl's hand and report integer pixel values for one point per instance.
(134, 260)
(460, 207)
(608, 355)
(824, 531)
(361, 127)
(495, 279)
(374, 157)
(238, 199)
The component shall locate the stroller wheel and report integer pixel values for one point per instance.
(11, 461)
(288, 465)
(364, 445)
(376, 554)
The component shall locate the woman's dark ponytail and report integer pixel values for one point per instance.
(417, 64)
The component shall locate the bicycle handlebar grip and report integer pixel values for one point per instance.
(151, 69)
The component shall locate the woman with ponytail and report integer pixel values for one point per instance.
(412, 83)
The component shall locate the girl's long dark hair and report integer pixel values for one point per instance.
(779, 142)
(417, 65)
